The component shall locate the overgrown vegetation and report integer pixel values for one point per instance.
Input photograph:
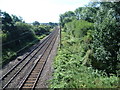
(89, 56)
(17, 35)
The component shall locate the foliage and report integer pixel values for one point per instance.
(78, 28)
(66, 17)
(70, 73)
(16, 19)
(36, 23)
(107, 37)
(42, 29)
(17, 35)
(52, 25)
(90, 55)
(82, 13)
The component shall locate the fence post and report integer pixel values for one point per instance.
(60, 36)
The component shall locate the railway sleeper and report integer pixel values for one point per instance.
(38, 68)
(28, 84)
(31, 78)
(26, 87)
(40, 63)
(30, 81)
(34, 73)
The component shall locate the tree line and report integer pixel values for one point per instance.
(105, 32)
(89, 56)
(17, 34)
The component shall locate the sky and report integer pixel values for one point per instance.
(43, 11)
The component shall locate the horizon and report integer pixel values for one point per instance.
(44, 11)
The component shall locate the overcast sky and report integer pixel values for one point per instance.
(40, 10)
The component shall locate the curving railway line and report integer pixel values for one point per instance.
(27, 71)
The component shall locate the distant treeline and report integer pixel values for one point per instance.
(50, 23)
(16, 34)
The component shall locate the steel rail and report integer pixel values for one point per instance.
(25, 79)
(43, 66)
(20, 70)
(37, 46)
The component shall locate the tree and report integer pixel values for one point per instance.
(36, 23)
(67, 17)
(87, 13)
(7, 22)
(107, 37)
(16, 19)
(78, 12)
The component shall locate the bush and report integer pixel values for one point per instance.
(70, 73)
(78, 28)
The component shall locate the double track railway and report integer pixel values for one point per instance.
(26, 73)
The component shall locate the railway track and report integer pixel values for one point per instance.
(32, 53)
(25, 73)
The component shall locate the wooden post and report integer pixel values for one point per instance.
(60, 31)
(60, 36)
